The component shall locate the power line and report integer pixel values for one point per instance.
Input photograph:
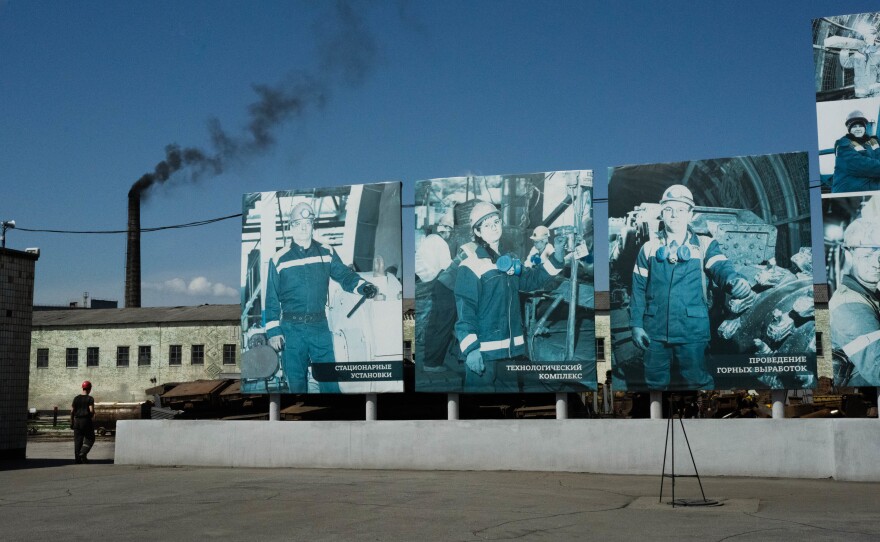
(142, 230)
(211, 221)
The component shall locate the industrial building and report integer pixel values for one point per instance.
(125, 351)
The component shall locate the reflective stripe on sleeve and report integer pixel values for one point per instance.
(550, 268)
(303, 261)
(467, 341)
(715, 259)
(640, 271)
(272, 324)
(487, 346)
(860, 343)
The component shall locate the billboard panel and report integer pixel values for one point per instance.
(504, 287)
(846, 56)
(711, 274)
(851, 225)
(321, 292)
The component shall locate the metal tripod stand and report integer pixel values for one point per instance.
(670, 447)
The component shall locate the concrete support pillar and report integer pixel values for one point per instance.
(372, 407)
(561, 406)
(596, 402)
(778, 398)
(452, 406)
(656, 405)
(274, 407)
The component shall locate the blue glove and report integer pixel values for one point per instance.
(536, 259)
(475, 362)
(368, 290)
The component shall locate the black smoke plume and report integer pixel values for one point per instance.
(347, 53)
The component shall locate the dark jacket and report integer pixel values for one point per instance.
(669, 299)
(487, 301)
(298, 282)
(857, 165)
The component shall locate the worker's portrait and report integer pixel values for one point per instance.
(851, 234)
(846, 56)
(849, 150)
(504, 283)
(321, 290)
(711, 275)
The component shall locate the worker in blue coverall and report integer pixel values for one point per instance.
(857, 158)
(489, 327)
(855, 308)
(296, 295)
(669, 315)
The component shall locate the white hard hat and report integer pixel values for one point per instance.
(446, 220)
(541, 232)
(678, 192)
(302, 210)
(480, 211)
(862, 232)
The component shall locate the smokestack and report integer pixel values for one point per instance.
(133, 252)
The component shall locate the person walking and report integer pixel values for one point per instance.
(82, 412)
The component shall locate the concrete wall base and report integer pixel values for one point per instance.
(845, 449)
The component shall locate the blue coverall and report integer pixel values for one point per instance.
(296, 295)
(669, 303)
(487, 302)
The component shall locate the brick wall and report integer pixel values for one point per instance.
(16, 311)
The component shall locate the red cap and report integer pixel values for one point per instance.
(87, 385)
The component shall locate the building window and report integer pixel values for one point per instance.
(175, 354)
(198, 354)
(819, 350)
(42, 358)
(229, 354)
(92, 356)
(600, 349)
(144, 355)
(122, 356)
(72, 358)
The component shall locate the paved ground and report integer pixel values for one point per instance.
(47, 497)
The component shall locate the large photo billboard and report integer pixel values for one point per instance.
(321, 293)
(845, 51)
(711, 275)
(851, 235)
(846, 56)
(504, 283)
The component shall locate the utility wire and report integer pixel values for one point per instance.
(209, 221)
(142, 230)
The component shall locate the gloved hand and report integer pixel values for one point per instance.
(368, 290)
(475, 362)
(277, 343)
(739, 287)
(536, 259)
(640, 338)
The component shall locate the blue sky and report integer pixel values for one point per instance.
(92, 92)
